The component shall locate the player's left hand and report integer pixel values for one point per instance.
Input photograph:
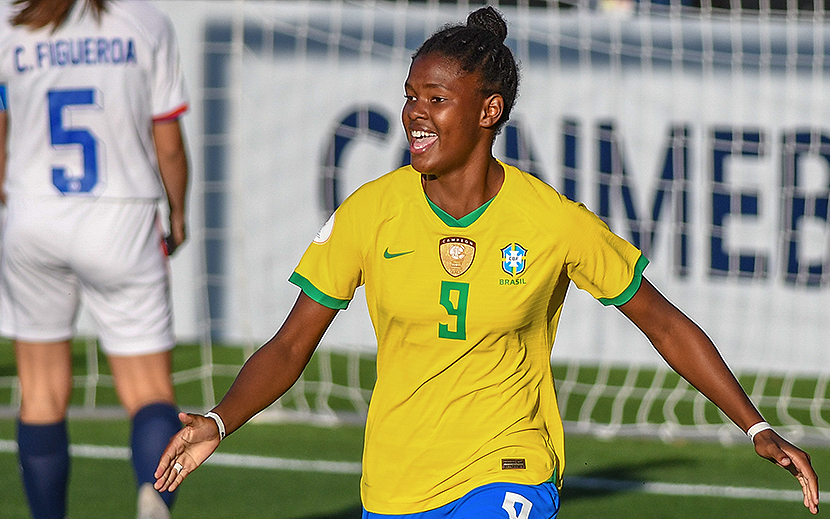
(769, 445)
(178, 233)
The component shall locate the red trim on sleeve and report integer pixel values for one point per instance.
(171, 115)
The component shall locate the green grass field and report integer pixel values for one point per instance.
(620, 478)
(103, 487)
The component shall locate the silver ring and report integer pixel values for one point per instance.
(178, 467)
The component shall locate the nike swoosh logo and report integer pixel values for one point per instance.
(390, 255)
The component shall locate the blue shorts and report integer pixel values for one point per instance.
(493, 501)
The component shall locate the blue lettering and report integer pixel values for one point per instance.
(64, 52)
(42, 53)
(117, 51)
(804, 263)
(82, 51)
(18, 63)
(77, 51)
(725, 202)
(89, 50)
(103, 51)
(362, 122)
(518, 150)
(673, 186)
(799, 205)
(570, 168)
(131, 58)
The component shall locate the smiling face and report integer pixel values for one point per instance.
(448, 121)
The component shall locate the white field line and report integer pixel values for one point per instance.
(679, 489)
(344, 467)
(218, 459)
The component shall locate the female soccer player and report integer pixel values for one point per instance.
(466, 262)
(92, 91)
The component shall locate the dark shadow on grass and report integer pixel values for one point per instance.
(8, 369)
(354, 512)
(616, 479)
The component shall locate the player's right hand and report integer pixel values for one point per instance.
(188, 449)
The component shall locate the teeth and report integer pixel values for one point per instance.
(419, 134)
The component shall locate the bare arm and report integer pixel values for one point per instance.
(269, 373)
(172, 159)
(692, 354)
(274, 368)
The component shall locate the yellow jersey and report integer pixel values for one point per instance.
(465, 313)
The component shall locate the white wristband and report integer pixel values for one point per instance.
(219, 423)
(755, 429)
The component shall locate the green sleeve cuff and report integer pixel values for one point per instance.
(315, 294)
(633, 287)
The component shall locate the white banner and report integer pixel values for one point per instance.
(719, 169)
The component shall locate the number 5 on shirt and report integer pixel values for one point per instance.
(66, 182)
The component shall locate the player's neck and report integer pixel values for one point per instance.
(462, 192)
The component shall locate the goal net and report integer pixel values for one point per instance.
(697, 130)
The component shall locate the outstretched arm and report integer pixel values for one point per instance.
(269, 373)
(693, 356)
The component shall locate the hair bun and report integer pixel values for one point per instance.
(490, 20)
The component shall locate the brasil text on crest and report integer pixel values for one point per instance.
(513, 262)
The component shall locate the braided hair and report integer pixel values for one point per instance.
(478, 47)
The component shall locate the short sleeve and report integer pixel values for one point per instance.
(4, 102)
(169, 95)
(602, 263)
(331, 268)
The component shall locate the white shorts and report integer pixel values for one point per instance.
(108, 253)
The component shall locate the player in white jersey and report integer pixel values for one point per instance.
(91, 94)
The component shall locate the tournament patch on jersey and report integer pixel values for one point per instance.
(513, 259)
(456, 254)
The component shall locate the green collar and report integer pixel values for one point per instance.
(464, 221)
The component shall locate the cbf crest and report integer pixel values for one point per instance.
(456, 254)
(513, 259)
